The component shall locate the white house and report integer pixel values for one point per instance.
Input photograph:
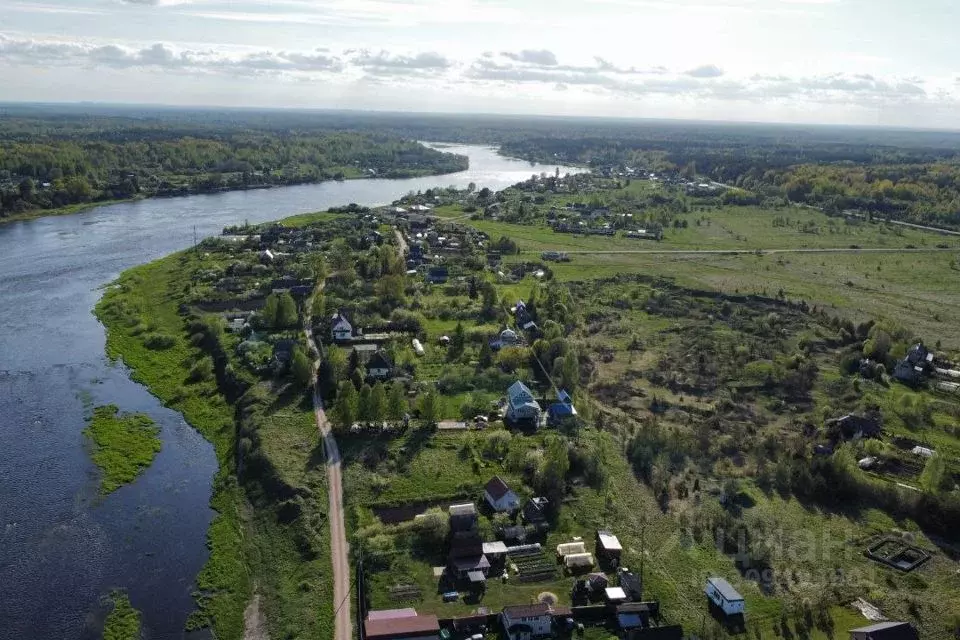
(523, 622)
(340, 330)
(521, 405)
(499, 496)
(724, 596)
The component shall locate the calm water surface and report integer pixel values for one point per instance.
(62, 546)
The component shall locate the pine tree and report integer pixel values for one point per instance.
(378, 402)
(363, 403)
(396, 402)
(345, 408)
(302, 368)
(286, 312)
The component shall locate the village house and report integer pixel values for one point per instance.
(852, 426)
(283, 354)
(438, 275)
(499, 496)
(340, 328)
(523, 317)
(561, 410)
(522, 408)
(466, 559)
(888, 630)
(914, 366)
(379, 366)
(400, 624)
(524, 622)
(535, 511)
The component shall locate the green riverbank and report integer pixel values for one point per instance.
(270, 532)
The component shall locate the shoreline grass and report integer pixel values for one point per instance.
(251, 546)
(143, 293)
(125, 445)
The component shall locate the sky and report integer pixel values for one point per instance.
(866, 62)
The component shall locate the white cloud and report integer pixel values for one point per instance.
(541, 57)
(162, 56)
(386, 63)
(705, 71)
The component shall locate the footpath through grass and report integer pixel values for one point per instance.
(125, 444)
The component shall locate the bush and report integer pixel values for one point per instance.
(201, 371)
(159, 342)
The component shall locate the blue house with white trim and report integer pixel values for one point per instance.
(561, 410)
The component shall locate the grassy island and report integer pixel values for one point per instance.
(123, 621)
(125, 444)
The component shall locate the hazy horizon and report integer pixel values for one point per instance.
(99, 108)
(843, 62)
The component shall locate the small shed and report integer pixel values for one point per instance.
(615, 595)
(494, 549)
(578, 561)
(888, 630)
(569, 548)
(463, 517)
(535, 510)
(608, 546)
(722, 594)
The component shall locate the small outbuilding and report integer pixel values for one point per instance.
(499, 496)
(535, 510)
(578, 561)
(722, 595)
(608, 546)
(888, 630)
(463, 517)
(570, 548)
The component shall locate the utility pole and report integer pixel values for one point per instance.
(643, 552)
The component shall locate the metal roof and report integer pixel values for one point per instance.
(725, 589)
(393, 627)
(609, 541)
(468, 509)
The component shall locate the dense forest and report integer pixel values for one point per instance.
(47, 163)
(55, 155)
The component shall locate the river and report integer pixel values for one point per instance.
(62, 546)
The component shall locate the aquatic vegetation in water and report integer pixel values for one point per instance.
(124, 445)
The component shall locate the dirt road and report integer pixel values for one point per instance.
(339, 550)
(747, 251)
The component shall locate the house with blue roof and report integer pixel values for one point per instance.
(561, 410)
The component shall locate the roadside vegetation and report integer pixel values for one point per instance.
(124, 445)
